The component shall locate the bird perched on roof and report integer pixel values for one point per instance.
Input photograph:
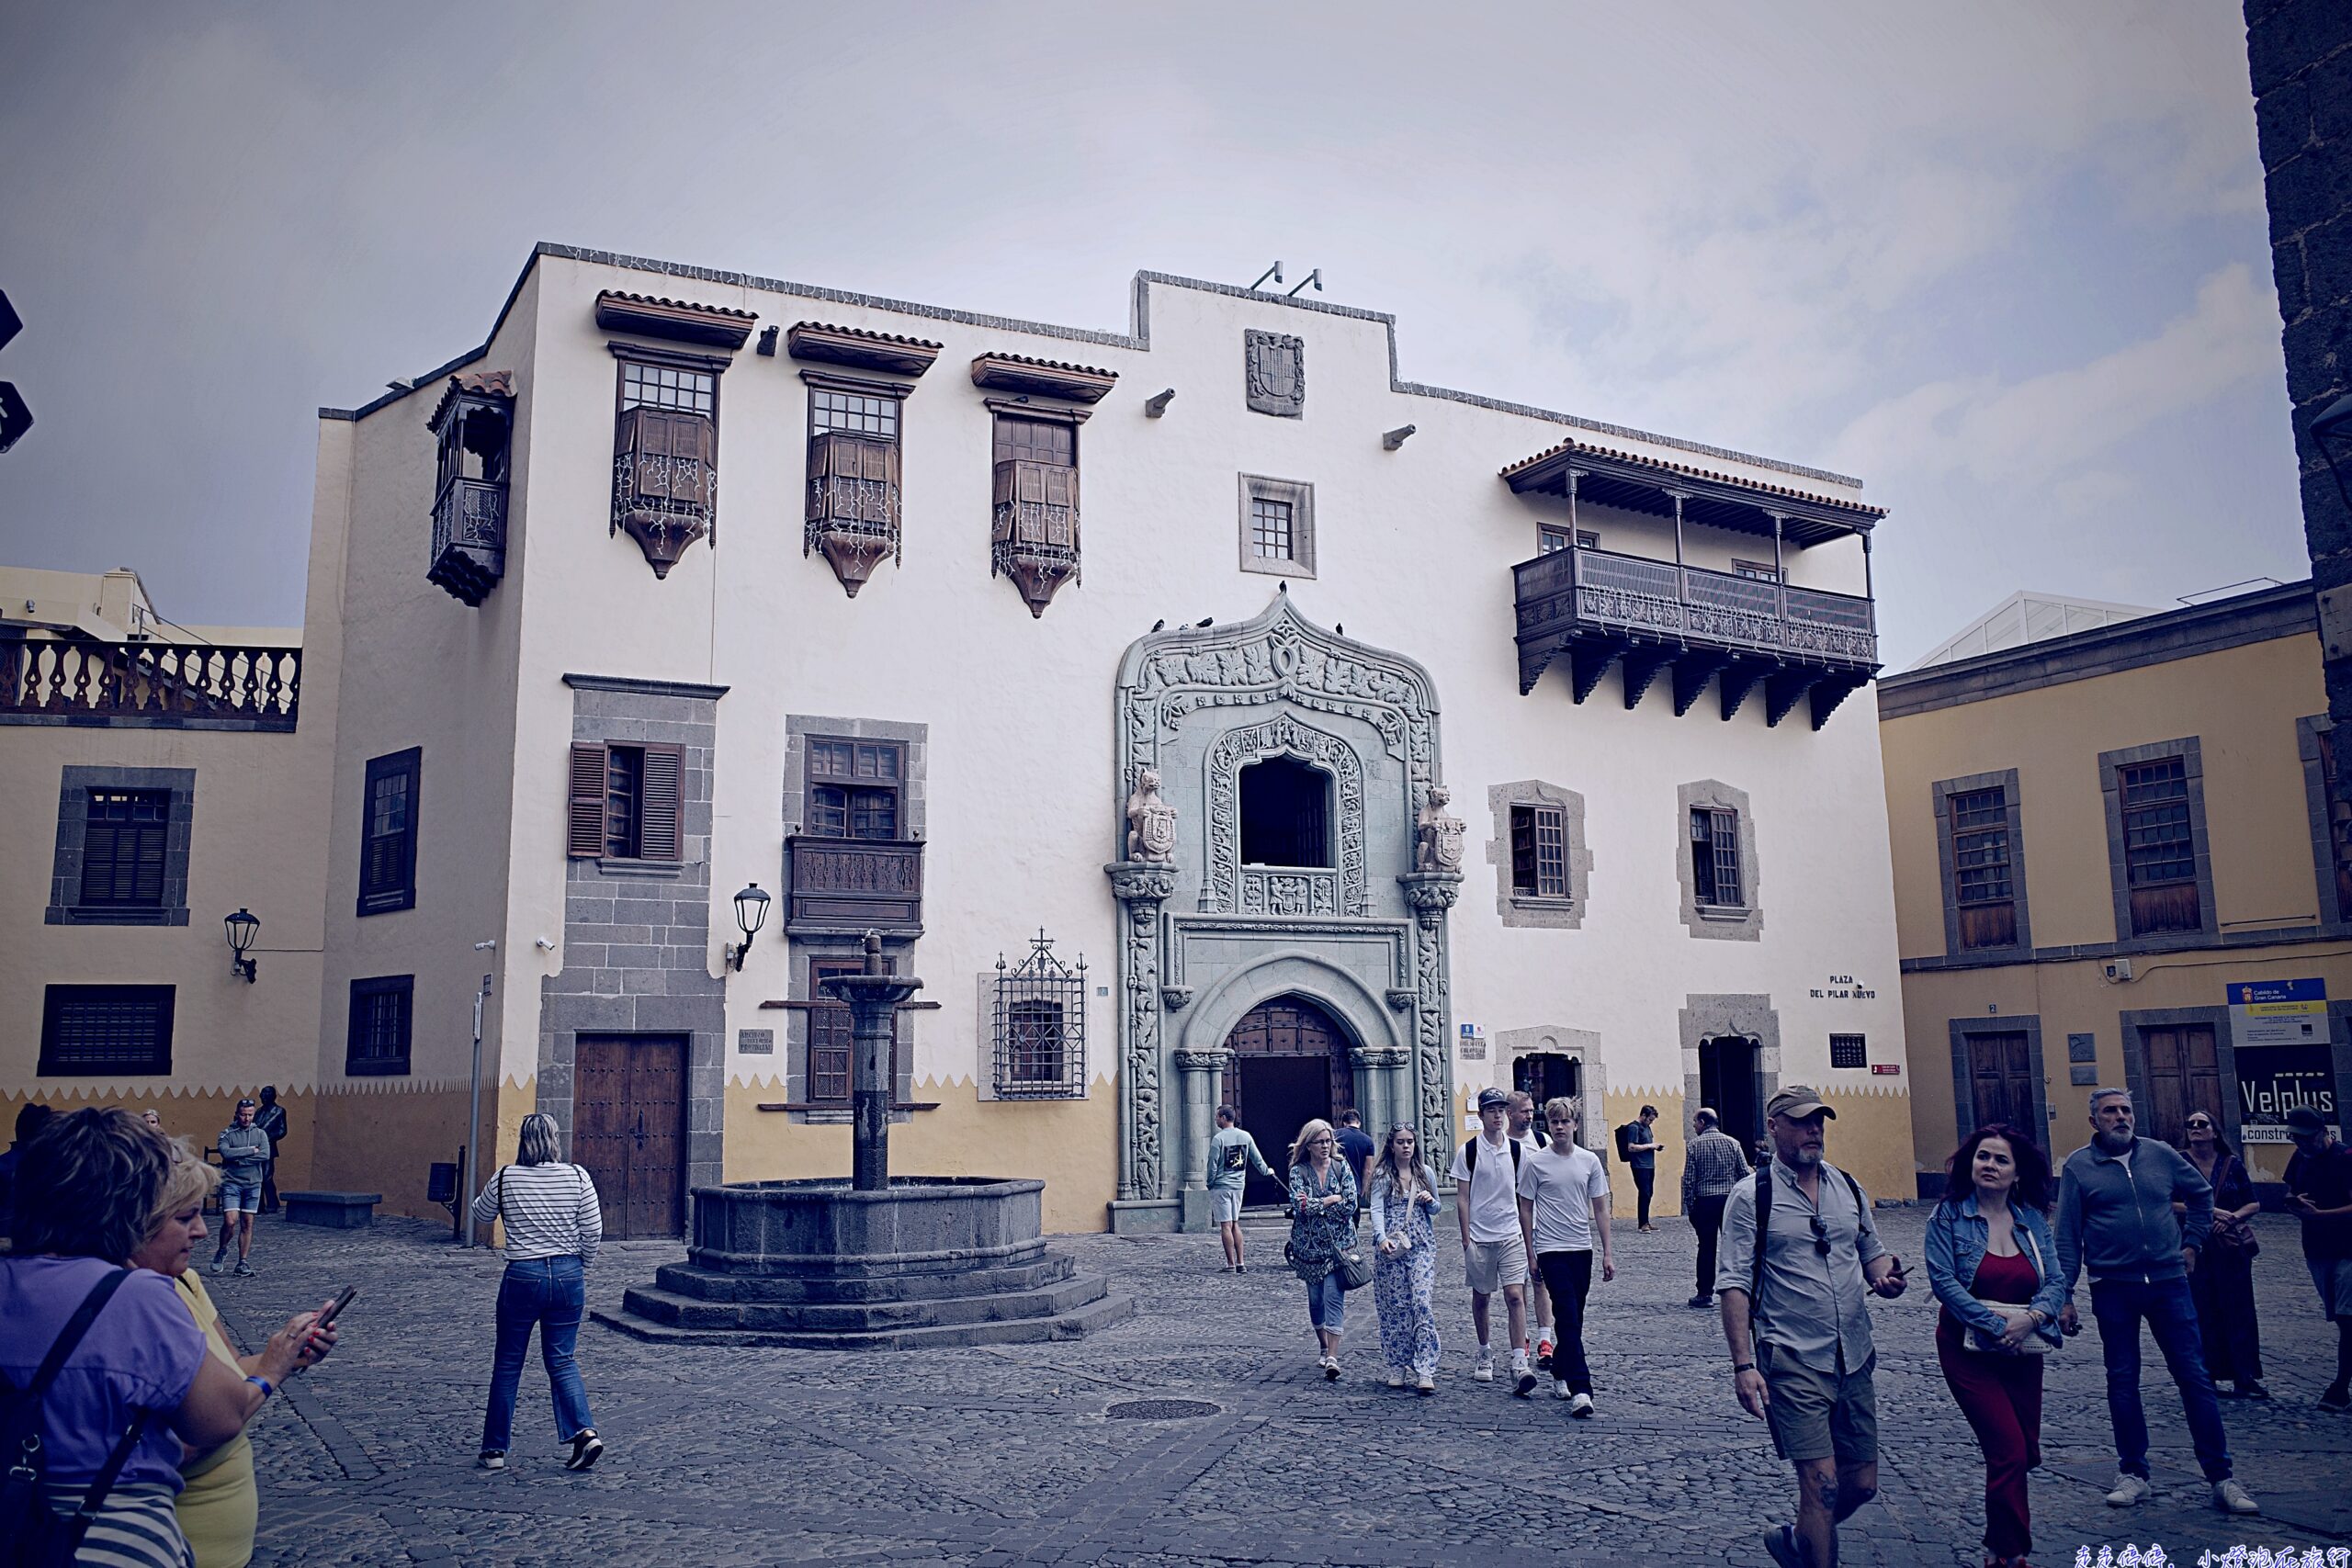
(1206, 621)
(1338, 629)
(1159, 623)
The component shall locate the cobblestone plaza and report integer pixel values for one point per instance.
(1023, 1454)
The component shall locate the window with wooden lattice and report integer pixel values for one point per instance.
(1539, 860)
(1983, 885)
(376, 1042)
(852, 516)
(833, 1048)
(665, 454)
(388, 833)
(1714, 857)
(2159, 846)
(1032, 526)
(106, 1030)
(123, 843)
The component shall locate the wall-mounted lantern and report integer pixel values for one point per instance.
(751, 914)
(242, 928)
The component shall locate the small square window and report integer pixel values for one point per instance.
(1277, 526)
(1270, 532)
(1849, 1051)
(122, 849)
(377, 1044)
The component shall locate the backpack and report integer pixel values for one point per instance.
(1764, 1220)
(1624, 1139)
(31, 1534)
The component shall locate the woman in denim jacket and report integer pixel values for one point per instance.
(1322, 1227)
(1994, 1265)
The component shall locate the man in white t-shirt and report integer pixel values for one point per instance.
(1563, 1199)
(1521, 1110)
(1494, 1251)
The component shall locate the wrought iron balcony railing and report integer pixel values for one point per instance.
(190, 686)
(854, 885)
(1601, 608)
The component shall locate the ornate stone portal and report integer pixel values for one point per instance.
(1206, 937)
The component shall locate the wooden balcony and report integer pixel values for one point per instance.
(854, 885)
(469, 539)
(1649, 618)
(149, 685)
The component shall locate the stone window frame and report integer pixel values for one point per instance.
(2006, 781)
(74, 786)
(2334, 917)
(2111, 765)
(1718, 922)
(1526, 910)
(1300, 496)
(845, 947)
(984, 1039)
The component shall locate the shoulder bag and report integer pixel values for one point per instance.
(2233, 1236)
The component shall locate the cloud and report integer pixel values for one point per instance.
(2027, 433)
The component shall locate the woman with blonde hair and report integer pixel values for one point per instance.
(219, 1502)
(1322, 1227)
(1404, 1272)
(553, 1228)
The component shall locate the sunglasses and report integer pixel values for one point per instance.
(1820, 1236)
(2199, 1122)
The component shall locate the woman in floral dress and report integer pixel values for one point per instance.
(1403, 1201)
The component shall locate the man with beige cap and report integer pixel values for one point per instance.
(1796, 1317)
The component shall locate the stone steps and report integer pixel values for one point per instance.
(688, 1280)
(1073, 1308)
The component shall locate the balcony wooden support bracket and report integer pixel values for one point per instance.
(1739, 678)
(1589, 661)
(1641, 664)
(1691, 673)
(1833, 691)
(1534, 659)
(1783, 687)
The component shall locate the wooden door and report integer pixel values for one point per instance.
(2001, 1072)
(1727, 1086)
(1291, 1062)
(2184, 1075)
(628, 1130)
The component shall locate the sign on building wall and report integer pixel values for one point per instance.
(1473, 1042)
(2278, 1029)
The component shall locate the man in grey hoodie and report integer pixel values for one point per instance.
(244, 1155)
(2115, 1217)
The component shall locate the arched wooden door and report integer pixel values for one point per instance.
(1290, 1063)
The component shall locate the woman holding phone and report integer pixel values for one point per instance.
(219, 1502)
(553, 1228)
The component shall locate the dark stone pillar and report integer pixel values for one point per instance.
(873, 998)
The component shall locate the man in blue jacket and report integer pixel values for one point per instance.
(2115, 1217)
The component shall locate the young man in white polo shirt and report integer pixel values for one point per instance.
(1563, 1199)
(1494, 1253)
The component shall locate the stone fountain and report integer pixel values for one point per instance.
(878, 1262)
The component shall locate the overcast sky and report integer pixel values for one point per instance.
(2008, 265)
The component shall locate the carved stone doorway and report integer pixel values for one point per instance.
(1290, 1063)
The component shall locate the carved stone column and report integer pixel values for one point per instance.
(1431, 893)
(1383, 1086)
(873, 998)
(1141, 886)
(1203, 1071)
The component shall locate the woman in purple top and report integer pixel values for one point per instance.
(138, 1383)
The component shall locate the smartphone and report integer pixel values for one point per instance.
(334, 1308)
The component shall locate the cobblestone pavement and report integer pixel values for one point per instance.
(1012, 1455)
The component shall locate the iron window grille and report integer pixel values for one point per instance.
(1041, 1026)
(1849, 1051)
(106, 1030)
(377, 1044)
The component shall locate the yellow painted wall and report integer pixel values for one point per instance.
(1870, 1138)
(381, 1134)
(197, 1116)
(1070, 1145)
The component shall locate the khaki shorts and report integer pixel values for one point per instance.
(1815, 1414)
(1225, 1204)
(1491, 1265)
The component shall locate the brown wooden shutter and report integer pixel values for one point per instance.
(660, 803)
(1061, 504)
(705, 446)
(820, 468)
(585, 822)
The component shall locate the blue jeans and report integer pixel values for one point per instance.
(1327, 1303)
(2119, 1306)
(551, 1293)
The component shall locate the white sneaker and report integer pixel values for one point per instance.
(1580, 1406)
(2129, 1489)
(1332, 1369)
(2231, 1498)
(1424, 1383)
(1559, 1388)
(1396, 1377)
(1482, 1366)
(1522, 1376)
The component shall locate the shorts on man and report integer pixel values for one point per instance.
(2333, 1276)
(1225, 1204)
(241, 1197)
(1819, 1414)
(1491, 1265)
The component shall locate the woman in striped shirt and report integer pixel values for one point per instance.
(553, 1227)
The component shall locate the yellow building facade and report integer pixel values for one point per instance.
(2114, 866)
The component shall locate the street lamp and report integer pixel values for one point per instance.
(751, 914)
(242, 928)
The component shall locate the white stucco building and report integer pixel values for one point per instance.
(684, 581)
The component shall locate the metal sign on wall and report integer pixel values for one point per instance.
(2279, 1034)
